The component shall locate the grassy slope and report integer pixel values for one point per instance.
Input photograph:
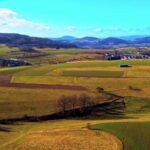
(135, 135)
(39, 103)
(67, 139)
(52, 74)
(44, 135)
(20, 134)
(104, 63)
(14, 68)
(6, 51)
(29, 102)
(35, 71)
(136, 105)
(22, 102)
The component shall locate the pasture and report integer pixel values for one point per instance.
(132, 83)
(134, 135)
(91, 73)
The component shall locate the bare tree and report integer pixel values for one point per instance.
(73, 101)
(62, 104)
(84, 99)
(71, 104)
(85, 102)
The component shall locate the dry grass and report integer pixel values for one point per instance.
(69, 140)
(117, 85)
(137, 76)
(66, 134)
(15, 102)
(43, 135)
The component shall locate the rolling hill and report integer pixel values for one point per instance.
(16, 40)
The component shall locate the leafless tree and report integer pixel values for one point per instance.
(73, 101)
(72, 104)
(67, 102)
(62, 104)
(85, 101)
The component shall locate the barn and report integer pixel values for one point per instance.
(124, 65)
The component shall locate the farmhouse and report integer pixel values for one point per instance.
(124, 65)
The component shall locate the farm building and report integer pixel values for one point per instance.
(124, 65)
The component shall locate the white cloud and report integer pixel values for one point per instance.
(11, 20)
(98, 30)
(70, 28)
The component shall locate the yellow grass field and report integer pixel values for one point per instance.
(71, 134)
(137, 76)
(22, 102)
(59, 133)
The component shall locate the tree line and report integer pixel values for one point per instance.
(85, 104)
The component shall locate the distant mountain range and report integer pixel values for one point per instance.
(16, 40)
(94, 42)
(132, 37)
(65, 38)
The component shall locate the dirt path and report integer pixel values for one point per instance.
(22, 134)
(42, 86)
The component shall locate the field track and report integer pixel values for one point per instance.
(42, 86)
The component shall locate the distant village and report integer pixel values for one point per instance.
(125, 56)
(12, 62)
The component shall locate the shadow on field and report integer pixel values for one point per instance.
(105, 117)
(102, 111)
(113, 108)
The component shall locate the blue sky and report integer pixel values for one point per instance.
(54, 18)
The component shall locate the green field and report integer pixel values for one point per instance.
(134, 135)
(136, 105)
(92, 73)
